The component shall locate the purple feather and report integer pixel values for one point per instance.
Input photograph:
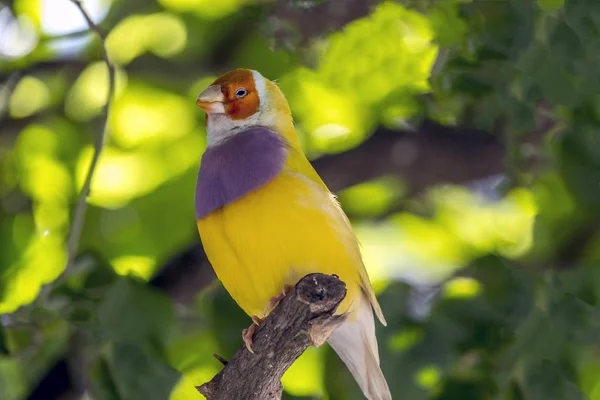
(240, 165)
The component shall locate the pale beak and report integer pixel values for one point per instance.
(211, 100)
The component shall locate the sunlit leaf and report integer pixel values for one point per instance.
(461, 288)
(371, 198)
(205, 8)
(305, 376)
(89, 93)
(42, 261)
(405, 339)
(147, 115)
(449, 28)
(30, 96)
(550, 5)
(192, 355)
(428, 377)
(163, 34)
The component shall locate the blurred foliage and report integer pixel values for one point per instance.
(489, 294)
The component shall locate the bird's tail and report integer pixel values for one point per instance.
(355, 343)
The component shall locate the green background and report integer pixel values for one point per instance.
(460, 136)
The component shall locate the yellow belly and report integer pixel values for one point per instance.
(277, 234)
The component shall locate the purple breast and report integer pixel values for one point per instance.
(240, 165)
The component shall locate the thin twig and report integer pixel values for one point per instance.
(440, 61)
(81, 207)
(6, 91)
(220, 359)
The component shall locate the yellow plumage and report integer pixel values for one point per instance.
(276, 235)
(291, 227)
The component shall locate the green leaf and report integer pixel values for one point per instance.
(550, 5)
(580, 166)
(20, 337)
(548, 382)
(534, 340)
(522, 116)
(583, 16)
(465, 389)
(255, 53)
(102, 384)
(389, 50)
(133, 312)
(565, 45)
(579, 320)
(449, 28)
(129, 372)
(505, 27)
(82, 315)
(101, 274)
(371, 198)
(13, 384)
(227, 321)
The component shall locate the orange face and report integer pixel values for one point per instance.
(241, 98)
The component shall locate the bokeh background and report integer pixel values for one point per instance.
(460, 135)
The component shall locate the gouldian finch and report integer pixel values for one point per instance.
(266, 219)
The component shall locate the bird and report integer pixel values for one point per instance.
(266, 218)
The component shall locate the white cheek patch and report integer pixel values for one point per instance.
(261, 88)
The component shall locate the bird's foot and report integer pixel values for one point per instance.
(248, 334)
(276, 299)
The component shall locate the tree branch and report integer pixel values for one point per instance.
(81, 207)
(6, 91)
(304, 318)
(307, 23)
(185, 274)
(431, 155)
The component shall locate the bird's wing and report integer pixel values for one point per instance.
(299, 163)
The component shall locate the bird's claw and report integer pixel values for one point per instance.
(276, 299)
(248, 334)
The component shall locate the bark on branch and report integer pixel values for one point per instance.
(304, 318)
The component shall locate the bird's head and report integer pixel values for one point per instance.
(241, 99)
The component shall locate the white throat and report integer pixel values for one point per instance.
(219, 128)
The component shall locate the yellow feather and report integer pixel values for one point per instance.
(274, 236)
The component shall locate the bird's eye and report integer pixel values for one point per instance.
(241, 92)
